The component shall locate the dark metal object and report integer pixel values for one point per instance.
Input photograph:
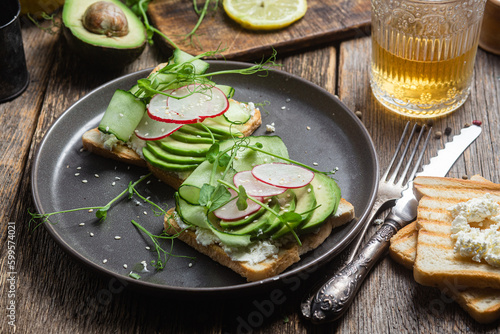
(14, 77)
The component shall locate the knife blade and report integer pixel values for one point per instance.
(334, 297)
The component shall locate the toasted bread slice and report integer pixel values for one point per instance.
(287, 255)
(436, 260)
(482, 304)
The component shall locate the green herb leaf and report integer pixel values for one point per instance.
(134, 275)
(220, 197)
(241, 203)
(206, 192)
(224, 160)
(291, 217)
(102, 213)
(212, 153)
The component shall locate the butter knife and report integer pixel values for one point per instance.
(334, 297)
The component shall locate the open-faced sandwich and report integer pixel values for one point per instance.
(240, 199)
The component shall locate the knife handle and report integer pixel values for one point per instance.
(335, 296)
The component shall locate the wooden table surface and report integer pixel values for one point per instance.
(55, 294)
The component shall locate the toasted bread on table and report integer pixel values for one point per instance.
(436, 259)
(483, 304)
(288, 254)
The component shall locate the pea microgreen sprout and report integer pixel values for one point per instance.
(163, 255)
(102, 211)
(201, 12)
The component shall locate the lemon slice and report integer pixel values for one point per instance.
(265, 14)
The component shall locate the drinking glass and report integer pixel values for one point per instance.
(13, 72)
(423, 54)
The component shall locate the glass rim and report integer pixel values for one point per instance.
(15, 17)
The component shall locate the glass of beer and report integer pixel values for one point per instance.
(423, 54)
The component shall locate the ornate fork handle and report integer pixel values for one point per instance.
(335, 296)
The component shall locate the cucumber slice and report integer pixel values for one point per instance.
(170, 166)
(228, 90)
(189, 138)
(328, 195)
(180, 57)
(122, 116)
(190, 188)
(237, 113)
(191, 214)
(154, 148)
(180, 148)
(249, 158)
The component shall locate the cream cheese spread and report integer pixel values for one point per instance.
(255, 253)
(477, 243)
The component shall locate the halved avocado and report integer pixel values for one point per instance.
(105, 33)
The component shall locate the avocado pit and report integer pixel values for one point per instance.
(105, 18)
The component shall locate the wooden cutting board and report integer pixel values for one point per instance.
(325, 21)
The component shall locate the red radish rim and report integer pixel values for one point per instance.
(199, 118)
(233, 193)
(280, 186)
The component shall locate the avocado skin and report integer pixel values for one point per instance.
(94, 52)
(101, 57)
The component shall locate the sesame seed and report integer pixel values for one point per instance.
(125, 266)
(91, 210)
(118, 237)
(145, 213)
(315, 163)
(190, 265)
(78, 168)
(113, 183)
(76, 174)
(104, 261)
(96, 175)
(308, 127)
(91, 234)
(148, 248)
(84, 181)
(81, 224)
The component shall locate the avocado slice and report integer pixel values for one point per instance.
(328, 195)
(160, 153)
(158, 162)
(103, 47)
(189, 138)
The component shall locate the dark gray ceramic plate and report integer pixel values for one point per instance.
(315, 126)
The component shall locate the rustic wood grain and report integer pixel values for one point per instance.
(325, 21)
(56, 294)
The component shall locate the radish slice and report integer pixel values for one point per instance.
(231, 212)
(149, 129)
(283, 175)
(206, 101)
(254, 187)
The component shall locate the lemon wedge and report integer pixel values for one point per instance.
(265, 14)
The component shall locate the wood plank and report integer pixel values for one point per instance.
(390, 299)
(325, 21)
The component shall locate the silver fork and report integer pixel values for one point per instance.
(389, 190)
